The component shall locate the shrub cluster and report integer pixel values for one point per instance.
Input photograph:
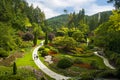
(28, 36)
(65, 63)
(43, 51)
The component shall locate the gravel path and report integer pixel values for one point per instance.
(44, 68)
(106, 62)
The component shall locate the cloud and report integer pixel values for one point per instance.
(97, 8)
(55, 7)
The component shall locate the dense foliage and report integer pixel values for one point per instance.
(107, 33)
(92, 21)
(18, 21)
(74, 34)
(65, 63)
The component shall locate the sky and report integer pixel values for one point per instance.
(53, 8)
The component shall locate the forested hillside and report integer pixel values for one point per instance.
(93, 21)
(18, 20)
(58, 21)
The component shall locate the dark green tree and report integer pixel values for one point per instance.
(14, 68)
(35, 39)
(46, 38)
(36, 33)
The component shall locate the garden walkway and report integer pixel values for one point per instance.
(106, 62)
(44, 68)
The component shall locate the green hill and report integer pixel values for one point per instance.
(58, 21)
(92, 21)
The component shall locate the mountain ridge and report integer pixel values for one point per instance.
(62, 20)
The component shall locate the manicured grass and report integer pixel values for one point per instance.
(75, 70)
(26, 60)
(85, 59)
(96, 59)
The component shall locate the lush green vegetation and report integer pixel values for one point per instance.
(78, 39)
(64, 63)
(18, 28)
(26, 60)
(70, 39)
(23, 73)
(60, 21)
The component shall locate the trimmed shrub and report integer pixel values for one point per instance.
(14, 69)
(44, 53)
(22, 50)
(65, 63)
(42, 48)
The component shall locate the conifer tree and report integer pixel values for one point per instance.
(14, 68)
(46, 39)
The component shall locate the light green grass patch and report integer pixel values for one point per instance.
(26, 60)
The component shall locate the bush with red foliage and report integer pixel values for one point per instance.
(51, 36)
(28, 36)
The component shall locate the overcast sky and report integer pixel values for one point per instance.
(53, 8)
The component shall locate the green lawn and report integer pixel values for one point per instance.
(26, 60)
(85, 59)
(75, 70)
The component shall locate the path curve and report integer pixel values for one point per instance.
(44, 68)
(106, 62)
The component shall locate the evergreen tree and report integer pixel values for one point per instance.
(46, 39)
(35, 39)
(36, 33)
(14, 68)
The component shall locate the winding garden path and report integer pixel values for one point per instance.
(44, 68)
(106, 62)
